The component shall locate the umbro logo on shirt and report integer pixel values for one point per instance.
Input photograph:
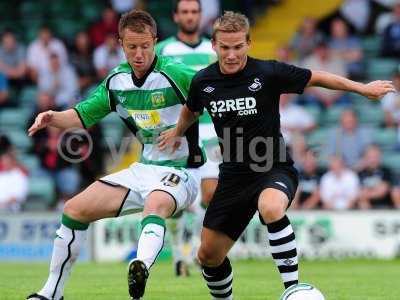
(209, 89)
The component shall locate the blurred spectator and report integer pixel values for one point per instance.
(307, 195)
(306, 39)
(285, 54)
(107, 56)
(13, 178)
(339, 186)
(12, 59)
(375, 181)
(45, 146)
(348, 48)
(91, 168)
(391, 104)
(60, 81)
(295, 120)
(385, 19)
(357, 13)
(391, 38)
(53, 165)
(395, 193)
(82, 61)
(298, 147)
(3, 91)
(210, 10)
(349, 140)
(108, 25)
(323, 59)
(39, 51)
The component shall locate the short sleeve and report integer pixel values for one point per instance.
(95, 107)
(291, 79)
(194, 102)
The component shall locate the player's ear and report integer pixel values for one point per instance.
(213, 43)
(120, 41)
(248, 41)
(175, 17)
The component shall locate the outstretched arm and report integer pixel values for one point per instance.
(60, 119)
(373, 90)
(172, 136)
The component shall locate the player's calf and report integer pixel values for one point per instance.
(219, 280)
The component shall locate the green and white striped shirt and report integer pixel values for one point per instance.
(147, 106)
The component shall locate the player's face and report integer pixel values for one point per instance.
(231, 48)
(188, 16)
(139, 49)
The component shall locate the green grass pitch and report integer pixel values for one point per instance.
(253, 280)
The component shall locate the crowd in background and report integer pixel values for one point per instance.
(342, 169)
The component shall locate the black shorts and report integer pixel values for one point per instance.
(235, 200)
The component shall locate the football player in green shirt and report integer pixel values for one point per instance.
(147, 92)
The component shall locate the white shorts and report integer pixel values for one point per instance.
(142, 179)
(210, 169)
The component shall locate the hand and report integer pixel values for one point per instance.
(377, 89)
(42, 120)
(169, 138)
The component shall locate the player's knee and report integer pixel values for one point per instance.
(272, 210)
(208, 258)
(76, 211)
(159, 203)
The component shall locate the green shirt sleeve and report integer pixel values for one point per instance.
(95, 107)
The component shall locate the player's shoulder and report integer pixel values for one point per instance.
(263, 64)
(205, 40)
(174, 70)
(208, 73)
(170, 64)
(121, 68)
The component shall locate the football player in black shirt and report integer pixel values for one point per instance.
(242, 96)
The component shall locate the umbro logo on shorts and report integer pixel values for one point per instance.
(288, 262)
(209, 89)
(281, 184)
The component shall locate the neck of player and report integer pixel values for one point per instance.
(188, 38)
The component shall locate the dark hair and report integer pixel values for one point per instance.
(137, 21)
(176, 4)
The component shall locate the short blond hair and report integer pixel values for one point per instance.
(231, 22)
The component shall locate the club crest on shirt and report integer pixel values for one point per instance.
(158, 100)
(256, 85)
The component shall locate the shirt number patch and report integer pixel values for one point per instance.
(171, 180)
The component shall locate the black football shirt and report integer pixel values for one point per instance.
(244, 108)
